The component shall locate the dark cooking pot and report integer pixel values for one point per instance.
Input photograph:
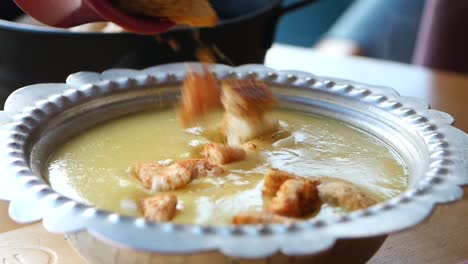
(30, 54)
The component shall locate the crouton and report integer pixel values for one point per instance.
(196, 13)
(274, 178)
(248, 104)
(222, 154)
(247, 97)
(200, 93)
(240, 129)
(345, 195)
(295, 198)
(156, 177)
(159, 208)
(254, 218)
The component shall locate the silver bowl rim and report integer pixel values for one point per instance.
(32, 199)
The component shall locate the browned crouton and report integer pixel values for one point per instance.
(345, 194)
(164, 178)
(295, 198)
(248, 104)
(274, 178)
(200, 93)
(240, 129)
(145, 171)
(161, 178)
(200, 168)
(247, 97)
(222, 154)
(159, 208)
(254, 218)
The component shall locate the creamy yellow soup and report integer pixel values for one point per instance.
(95, 167)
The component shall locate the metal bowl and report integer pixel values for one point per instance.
(39, 118)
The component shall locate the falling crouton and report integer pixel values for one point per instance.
(248, 104)
(200, 93)
(273, 179)
(240, 129)
(156, 177)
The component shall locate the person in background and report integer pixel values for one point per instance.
(443, 36)
(306, 26)
(375, 28)
(432, 33)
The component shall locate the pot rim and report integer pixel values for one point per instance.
(446, 151)
(63, 31)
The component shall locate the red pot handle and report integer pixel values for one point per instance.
(289, 8)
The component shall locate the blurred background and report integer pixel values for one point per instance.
(427, 32)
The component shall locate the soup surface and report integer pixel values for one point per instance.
(95, 166)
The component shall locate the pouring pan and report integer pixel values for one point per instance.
(31, 54)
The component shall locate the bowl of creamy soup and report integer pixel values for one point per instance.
(188, 163)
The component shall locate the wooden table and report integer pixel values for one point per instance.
(441, 239)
